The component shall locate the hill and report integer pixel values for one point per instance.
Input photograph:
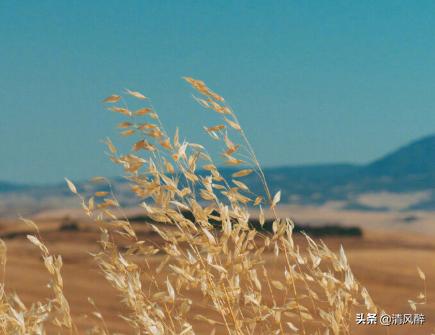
(414, 159)
(410, 168)
(407, 170)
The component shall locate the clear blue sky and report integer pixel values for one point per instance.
(311, 81)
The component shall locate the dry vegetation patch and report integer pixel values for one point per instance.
(211, 272)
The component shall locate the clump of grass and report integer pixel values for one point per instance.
(231, 265)
(17, 318)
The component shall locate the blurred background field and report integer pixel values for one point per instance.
(384, 260)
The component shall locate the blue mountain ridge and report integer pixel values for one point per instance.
(409, 168)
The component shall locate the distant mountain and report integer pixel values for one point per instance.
(11, 187)
(414, 159)
(410, 168)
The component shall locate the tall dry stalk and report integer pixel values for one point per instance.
(209, 248)
(227, 260)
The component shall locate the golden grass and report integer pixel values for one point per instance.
(217, 256)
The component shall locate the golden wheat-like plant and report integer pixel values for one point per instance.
(250, 281)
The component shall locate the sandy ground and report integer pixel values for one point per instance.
(384, 260)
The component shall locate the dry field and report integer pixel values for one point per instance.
(384, 261)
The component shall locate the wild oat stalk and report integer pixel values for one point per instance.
(208, 245)
(217, 252)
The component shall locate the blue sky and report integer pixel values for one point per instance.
(311, 81)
